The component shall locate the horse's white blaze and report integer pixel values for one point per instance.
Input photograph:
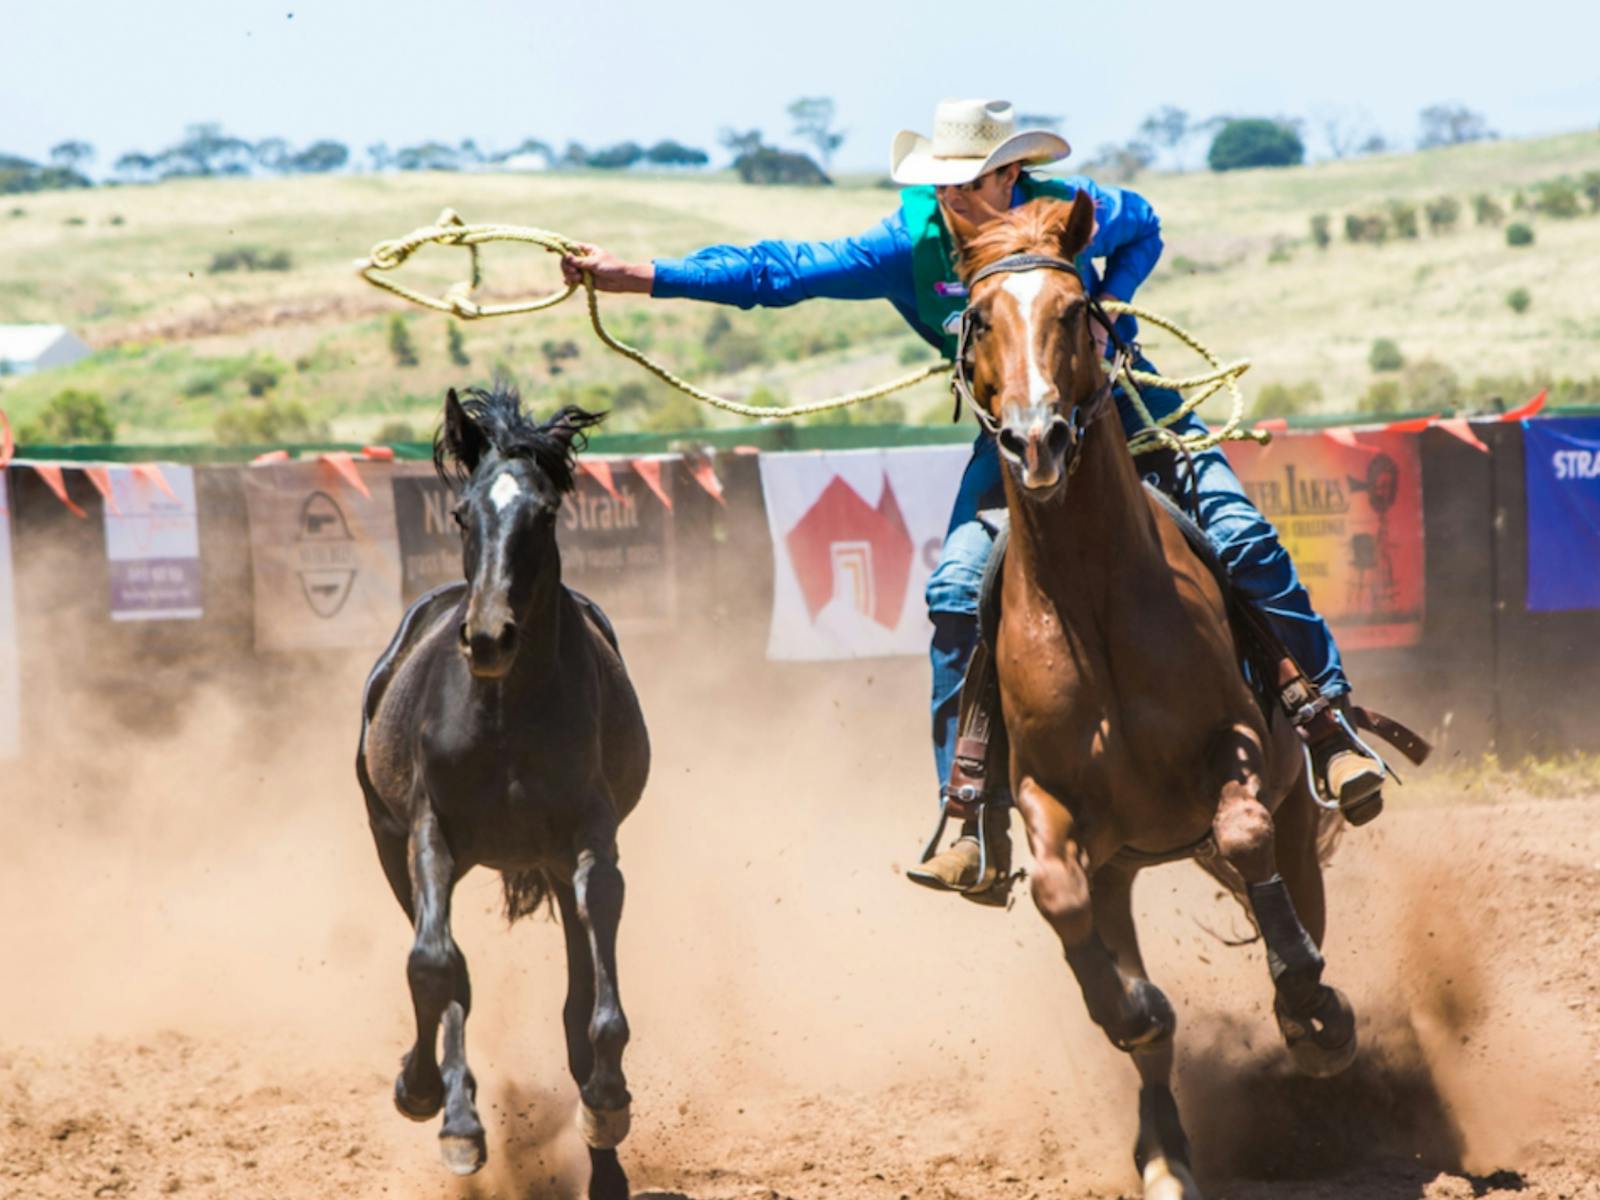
(505, 490)
(1025, 287)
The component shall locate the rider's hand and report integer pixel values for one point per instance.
(610, 273)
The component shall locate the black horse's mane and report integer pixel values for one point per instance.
(498, 423)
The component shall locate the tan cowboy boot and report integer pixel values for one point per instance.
(1347, 772)
(956, 867)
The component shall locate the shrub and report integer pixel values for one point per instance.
(1589, 185)
(259, 379)
(915, 353)
(17, 212)
(1431, 385)
(1385, 355)
(1280, 252)
(1519, 234)
(1558, 198)
(75, 221)
(1255, 142)
(1366, 227)
(249, 258)
(265, 424)
(1442, 213)
(72, 416)
(116, 219)
(1518, 299)
(395, 431)
(729, 349)
(400, 347)
(768, 165)
(1381, 397)
(202, 383)
(455, 347)
(1287, 399)
(557, 353)
(1403, 216)
(1486, 210)
(1319, 231)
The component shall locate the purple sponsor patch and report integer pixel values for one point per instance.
(155, 589)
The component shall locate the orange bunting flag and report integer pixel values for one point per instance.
(51, 474)
(378, 453)
(101, 478)
(271, 456)
(1531, 408)
(700, 468)
(7, 446)
(1461, 428)
(649, 470)
(1410, 424)
(1274, 424)
(339, 460)
(1344, 437)
(601, 470)
(151, 473)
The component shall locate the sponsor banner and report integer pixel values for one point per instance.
(616, 548)
(1561, 462)
(855, 536)
(153, 545)
(10, 666)
(1348, 508)
(325, 557)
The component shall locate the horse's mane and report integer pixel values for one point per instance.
(1033, 228)
(497, 415)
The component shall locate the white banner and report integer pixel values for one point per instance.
(325, 557)
(855, 535)
(153, 544)
(10, 669)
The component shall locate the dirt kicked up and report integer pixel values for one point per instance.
(205, 980)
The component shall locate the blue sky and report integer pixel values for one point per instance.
(131, 76)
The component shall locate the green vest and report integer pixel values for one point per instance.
(933, 263)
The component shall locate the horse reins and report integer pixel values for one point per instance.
(961, 378)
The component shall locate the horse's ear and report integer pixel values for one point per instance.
(1077, 231)
(962, 231)
(463, 440)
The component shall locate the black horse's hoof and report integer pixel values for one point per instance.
(607, 1180)
(1322, 1042)
(416, 1108)
(463, 1153)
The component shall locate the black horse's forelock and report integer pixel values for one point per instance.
(497, 414)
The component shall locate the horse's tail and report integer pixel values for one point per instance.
(526, 892)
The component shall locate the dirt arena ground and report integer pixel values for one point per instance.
(204, 989)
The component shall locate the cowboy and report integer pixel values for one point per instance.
(972, 170)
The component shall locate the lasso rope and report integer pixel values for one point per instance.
(457, 301)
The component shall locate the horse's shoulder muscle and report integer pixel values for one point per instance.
(418, 620)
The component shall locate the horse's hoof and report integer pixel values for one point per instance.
(1167, 1179)
(604, 1129)
(464, 1154)
(413, 1108)
(1323, 1043)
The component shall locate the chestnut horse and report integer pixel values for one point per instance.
(1134, 737)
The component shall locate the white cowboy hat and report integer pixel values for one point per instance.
(969, 138)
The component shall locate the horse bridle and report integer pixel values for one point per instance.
(961, 378)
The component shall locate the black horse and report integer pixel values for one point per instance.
(500, 729)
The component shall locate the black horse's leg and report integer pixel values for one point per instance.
(603, 1113)
(1316, 1020)
(439, 991)
(606, 1177)
(1161, 1152)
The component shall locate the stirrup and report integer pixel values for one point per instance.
(1319, 786)
(967, 803)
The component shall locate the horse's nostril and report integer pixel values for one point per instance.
(1059, 437)
(1012, 442)
(508, 635)
(461, 632)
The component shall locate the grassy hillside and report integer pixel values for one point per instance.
(128, 269)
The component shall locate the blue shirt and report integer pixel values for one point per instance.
(876, 265)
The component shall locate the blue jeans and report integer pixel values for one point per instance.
(1245, 540)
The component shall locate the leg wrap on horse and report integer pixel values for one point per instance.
(1292, 957)
(1136, 1016)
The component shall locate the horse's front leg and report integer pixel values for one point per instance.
(1132, 1011)
(440, 992)
(597, 1029)
(1316, 1020)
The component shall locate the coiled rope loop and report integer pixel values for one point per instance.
(457, 301)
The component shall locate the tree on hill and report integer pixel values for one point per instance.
(668, 153)
(71, 154)
(134, 167)
(1451, 124)
(428, 156)
(1167, 128)
(207, 150)
(757, 162)
(321, 157)
(617, 157)
(272, 154)
(72, 416)
(813, 122)
(1255, 142)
